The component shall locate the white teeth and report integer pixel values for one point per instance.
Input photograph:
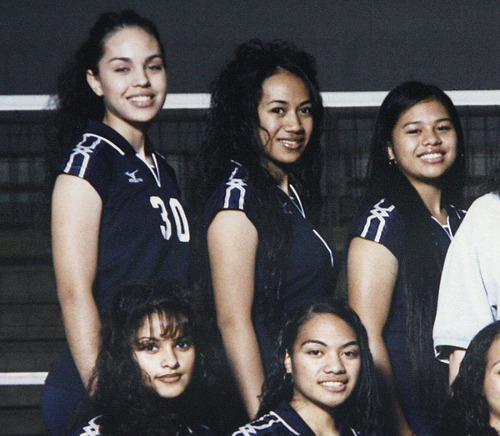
(141, 98)
(332, 383)
(290, 144)
(431, 156)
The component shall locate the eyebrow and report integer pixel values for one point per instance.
(317, 341)
(125, 59)
(418, 121)
(287, 103)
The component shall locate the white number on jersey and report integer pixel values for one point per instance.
(180, 219)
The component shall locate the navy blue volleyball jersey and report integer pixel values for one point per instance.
(382, 223)
(308, 274)
(144, 234)
(282, 421)
(92, 428)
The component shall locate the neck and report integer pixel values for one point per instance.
(133, 133)
(321, 421)
(431, 195)
(278, 174)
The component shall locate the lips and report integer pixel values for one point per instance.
(141, 101)
(334, 385)
(291, 144)
(170, 378)
(433, 157)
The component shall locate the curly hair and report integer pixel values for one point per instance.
(467, 411)
(361, 410)
(421, 266)
(75, 100)
(117, 390)
(233, 135)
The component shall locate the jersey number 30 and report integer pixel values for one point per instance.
(180, 219)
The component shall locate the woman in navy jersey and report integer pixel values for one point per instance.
(323, 381)
(149, 365)
(398, 243)
(265, 257)
(116, 214)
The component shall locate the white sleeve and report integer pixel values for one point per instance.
(464, 306)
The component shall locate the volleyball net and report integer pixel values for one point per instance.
(31, 332)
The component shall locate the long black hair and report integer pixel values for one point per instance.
(467, 411)
(118, 391)
(233, 135)
(361, 410)
(75, 101)
(420, 268)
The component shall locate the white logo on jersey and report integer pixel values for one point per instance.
(133, 178)
(377, 213)
(92, 429)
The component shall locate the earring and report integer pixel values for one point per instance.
(392, 162)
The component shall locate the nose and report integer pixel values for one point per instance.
(334, 364)
(293, 122)
(141, 77)
(169, 358)
(431, 137)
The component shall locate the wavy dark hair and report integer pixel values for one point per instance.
(467, 411)
(421, 266)
(233, 135)
(361, 410)
(75, 101)
(118, 392)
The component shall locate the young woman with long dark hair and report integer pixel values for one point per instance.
(116, 214)
(149, 363)
(323, 381)
(398, 243)
(265, 257)
(474, 407)
(469, 293)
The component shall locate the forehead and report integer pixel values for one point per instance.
(129, 41)
(424, 110)
(284, 85)
(161, 324)
(327, 328)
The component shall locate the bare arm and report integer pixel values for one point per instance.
(76, 214)
(232, 246)
(371, 275)
(456, 357)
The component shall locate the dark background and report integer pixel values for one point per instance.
(363, 45)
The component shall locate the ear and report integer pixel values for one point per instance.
(94, 83)
(390, 151)
(288, 363)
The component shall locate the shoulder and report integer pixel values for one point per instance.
(282, 421)
(269, 424)
(488, 203)
(235, 192)
(379, 222)
(91, 428)
(92, 150)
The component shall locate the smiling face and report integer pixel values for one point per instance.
(424, 142)
(167, 362)
(324, 364)
(491, 384)
(132, 80)
(285, 115)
